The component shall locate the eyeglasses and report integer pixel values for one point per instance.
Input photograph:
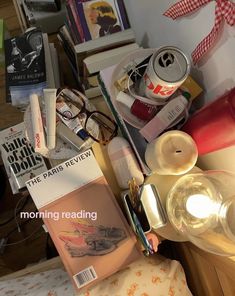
(100, 127)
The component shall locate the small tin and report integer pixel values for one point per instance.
(167, 69)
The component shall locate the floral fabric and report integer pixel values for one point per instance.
(154, 276)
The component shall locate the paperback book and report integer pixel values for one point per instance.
(84, 220)
(20, 160)
(25, 67)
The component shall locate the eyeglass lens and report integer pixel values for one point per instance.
(99, 126)
(107, 128)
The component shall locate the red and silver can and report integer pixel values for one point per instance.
(168, 68)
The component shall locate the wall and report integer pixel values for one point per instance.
(216, 71)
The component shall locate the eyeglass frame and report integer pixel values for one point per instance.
(87, 112)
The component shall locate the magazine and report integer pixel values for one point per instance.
(101, 18)
(25, 67)
(84, 220)
(20, 160)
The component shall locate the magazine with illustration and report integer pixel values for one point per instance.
(84, 220)
(20, 160)
(25, 67)
(101, 18)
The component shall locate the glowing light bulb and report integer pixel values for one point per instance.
(200, 206)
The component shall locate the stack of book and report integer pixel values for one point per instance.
(31, 64)
(96, 35)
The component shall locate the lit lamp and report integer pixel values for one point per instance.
(201, 207)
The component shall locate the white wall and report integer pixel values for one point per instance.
(216, 72)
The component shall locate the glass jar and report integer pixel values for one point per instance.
(201, 206)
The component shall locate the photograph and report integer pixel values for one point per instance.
(102, 18)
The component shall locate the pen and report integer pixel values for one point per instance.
(139, 230)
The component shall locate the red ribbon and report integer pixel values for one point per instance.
(224, 11)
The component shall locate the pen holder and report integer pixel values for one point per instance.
(150, 212)
(144, 215)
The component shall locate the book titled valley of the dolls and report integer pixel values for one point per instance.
(20, 160)
(84, 220)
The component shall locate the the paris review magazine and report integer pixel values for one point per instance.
(20, 160)
(84, 220)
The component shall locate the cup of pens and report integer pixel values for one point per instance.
(144, 213)
(71, 123)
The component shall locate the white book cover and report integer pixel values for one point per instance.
(107, 58)
(21, 161)
(122, 37)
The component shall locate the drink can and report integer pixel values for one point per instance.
(168, 68)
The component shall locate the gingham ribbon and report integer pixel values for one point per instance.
(224, 10)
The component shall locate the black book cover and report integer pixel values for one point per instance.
(25, 67)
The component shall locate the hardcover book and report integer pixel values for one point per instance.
(20, 160)
(131, 133)
(84, 220)
(25, 67)
(101, 60)
(101, 18)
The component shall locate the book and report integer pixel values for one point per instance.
(55, 65)
(73, 23)
(72, 5)
(91, 86)
(50, 79)
(2, 29)
(101, 18)
(123, 18)
(131, 133)
(20, 160)
(84, 220)
(85, 49)
(25, 67)
(117, 39)
(18, 4)
(101, 60)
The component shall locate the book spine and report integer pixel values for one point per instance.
(80, 11)
(72, 25)
(67, 47)
(8, 93)
(67, 35)
(69, 54)
(72, 5)
(11, 179)
(122, 14)
(69, 29)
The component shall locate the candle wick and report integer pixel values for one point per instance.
(178, 151)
